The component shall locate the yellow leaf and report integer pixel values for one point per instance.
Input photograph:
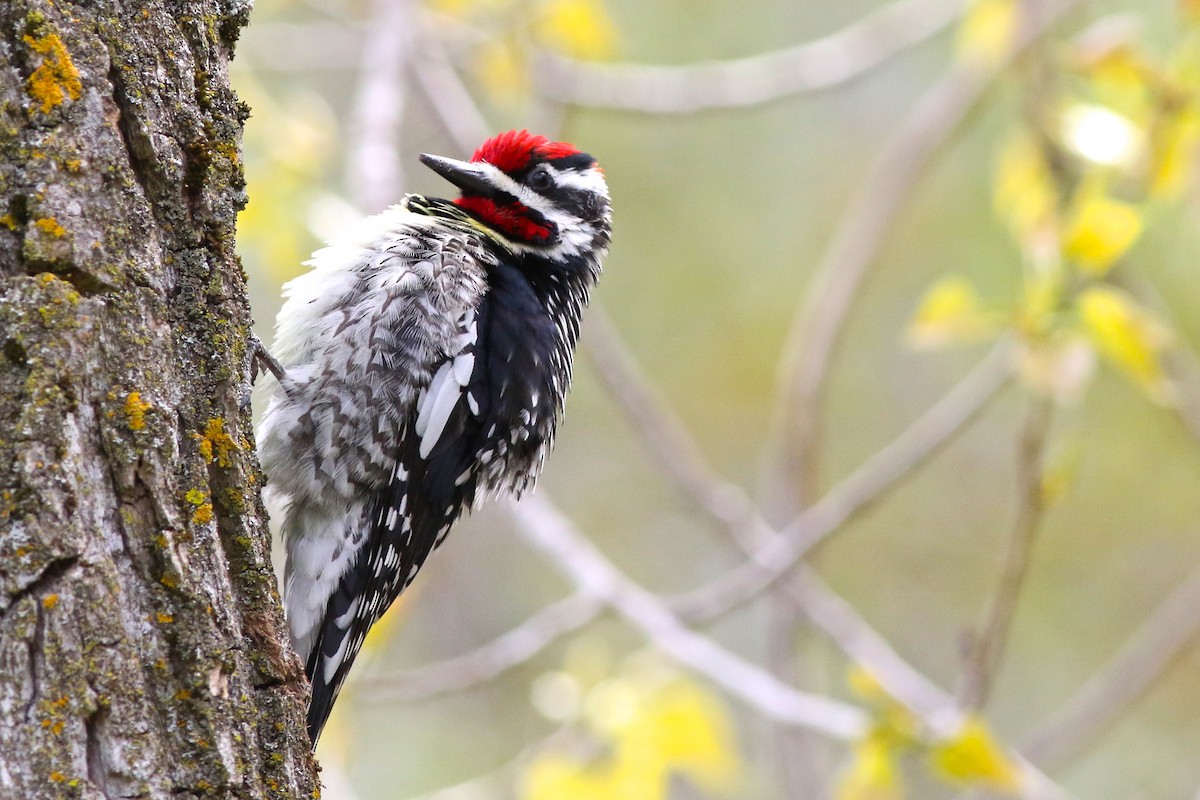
(1024, 193)
(1129, 337)
(679, 728)
(1174, 152)
(972, 757)
(951, 313)
(553, 776)
(872, 775)
(1100, 231)
(578, 28)
(987, 31)
(655, 724)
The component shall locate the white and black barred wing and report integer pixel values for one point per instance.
(431, 483)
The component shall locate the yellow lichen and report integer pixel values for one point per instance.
(56, 78)
(216, 443)
(203, 515)
(135, 411)
(196, 497)
(50, 227)
(9, 221)
(49, 601)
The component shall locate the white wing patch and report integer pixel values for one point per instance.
(449, 384)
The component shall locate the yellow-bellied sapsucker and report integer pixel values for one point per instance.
(423, 362)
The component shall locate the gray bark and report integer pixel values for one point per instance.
(142, 648)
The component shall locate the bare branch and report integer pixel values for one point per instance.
(850, 496)
(568, 550)
(1169, 630)
(374, 169)
(988, 645)
(724, 501)
(885, 190)
(487, 662)
(862, 643)
(445, 90)
(664, 435)
(807, 67)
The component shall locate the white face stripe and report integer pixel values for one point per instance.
(574, 234)
(590, 180)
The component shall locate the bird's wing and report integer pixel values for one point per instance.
(431, 483)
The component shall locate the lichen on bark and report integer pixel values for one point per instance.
(142, 648)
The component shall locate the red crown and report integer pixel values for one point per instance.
(513, 150)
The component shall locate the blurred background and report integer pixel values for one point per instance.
(961, 200)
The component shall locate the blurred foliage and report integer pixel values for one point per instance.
(510, 29)
(651, 723)
(967, 757)
(1091, 144)
(1110, 137)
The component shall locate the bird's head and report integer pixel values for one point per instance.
(542, 197)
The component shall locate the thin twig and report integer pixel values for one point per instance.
(988, 646)
(375, 171)
(567, 549)
(851, 495)
(664, 435)
(723, 501)
(1181, 360)
(884, 192)
(820, 64)
(1164, 636)
(863, 644)
(447, 93)
(509, 650)
(544, 526)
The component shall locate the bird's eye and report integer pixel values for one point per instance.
(540, 179)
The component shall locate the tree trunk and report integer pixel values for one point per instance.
(142, 648)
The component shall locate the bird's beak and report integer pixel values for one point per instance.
(468, 176)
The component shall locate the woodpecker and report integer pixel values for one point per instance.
(422, 365)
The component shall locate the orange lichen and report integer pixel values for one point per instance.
(135, 411)
(215, 443)
(50, 227)
(56, 78)
(203, 515)
(49, 601)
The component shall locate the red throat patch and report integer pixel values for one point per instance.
(511, 219)
(513, 150)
